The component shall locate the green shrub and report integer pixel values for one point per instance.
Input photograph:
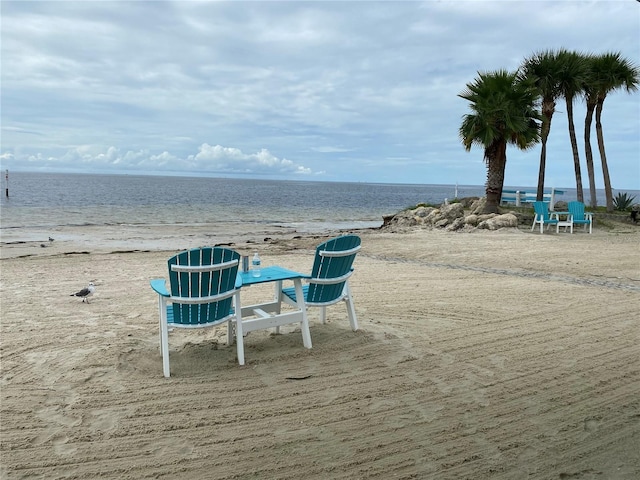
(623, 201)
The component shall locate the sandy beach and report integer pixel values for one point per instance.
(486, 355)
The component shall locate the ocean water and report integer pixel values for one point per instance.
(48, 200)
(54, 199)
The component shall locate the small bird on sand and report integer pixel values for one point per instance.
(50, 239)
(85, 293)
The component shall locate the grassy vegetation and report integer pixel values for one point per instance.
(426, 205)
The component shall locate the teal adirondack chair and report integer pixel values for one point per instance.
(204, 291)
(579, 216)
(329, 280)
(542, 216)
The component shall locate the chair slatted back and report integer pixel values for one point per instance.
(331, 268)
(576, 209)
(202, 284)
(542, 210)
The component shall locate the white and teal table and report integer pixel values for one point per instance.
(269, 314)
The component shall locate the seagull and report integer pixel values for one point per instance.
(50, 239)
(85, 293)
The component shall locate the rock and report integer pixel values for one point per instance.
(386, 220)
(423, 212)
(477, 207)
(561, 206)
(472, 220)
(446, 214)
(468, 201)
(507, 220)
(457, 224)
(433, 217)
(486, 216)
(452, 211)
(451, 217)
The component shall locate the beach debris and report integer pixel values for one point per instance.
(85, 293)
(43, 245)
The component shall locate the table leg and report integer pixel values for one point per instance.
(277, 298)
(237, 305)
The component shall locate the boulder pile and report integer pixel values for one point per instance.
(464, 215)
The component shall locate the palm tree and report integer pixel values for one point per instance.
(504, 111)
(571, 77)
(590, 93)
(610, 72)
(543, 68)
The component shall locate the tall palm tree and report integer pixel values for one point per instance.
(590, 93)
(610, 72)
(504, 111)
(543, 68)
(572, 76)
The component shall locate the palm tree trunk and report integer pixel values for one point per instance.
(496, 158)
(547, 112)
(574, 148)
(603, 157)
(589, 155)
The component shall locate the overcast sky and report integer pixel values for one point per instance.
(328, 91)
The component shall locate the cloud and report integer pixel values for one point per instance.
(360, 91)
(233, 161)
(210, 159)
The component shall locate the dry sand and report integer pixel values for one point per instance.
(487, 355)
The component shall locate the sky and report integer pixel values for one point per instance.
(352, 91)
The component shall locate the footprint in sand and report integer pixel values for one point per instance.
(164, 447)
(61, 447)
(591, 424)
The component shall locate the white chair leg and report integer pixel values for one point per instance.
(161, 311)
(304, 325)
(353, 320)
(164, 339)
(239, 335)
(323, 315)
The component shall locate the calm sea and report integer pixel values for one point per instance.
(55, 199)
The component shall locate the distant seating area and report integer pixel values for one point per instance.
(575, 215)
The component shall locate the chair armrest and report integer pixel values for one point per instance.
(160, 287)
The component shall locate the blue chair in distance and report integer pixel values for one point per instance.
(579, 216)
(542, 216)
(329, 279)
(204, 291)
